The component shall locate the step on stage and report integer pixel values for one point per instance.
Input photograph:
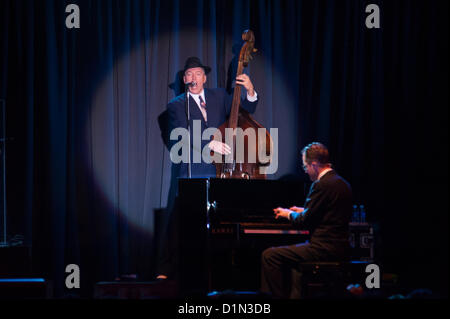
(160, 289)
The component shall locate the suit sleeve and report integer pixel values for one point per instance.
(314, 208)
(176, 118)
(249, 106)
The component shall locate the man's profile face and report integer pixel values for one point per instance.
(310, 169)
(195, 75)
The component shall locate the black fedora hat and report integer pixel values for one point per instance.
(194, 62)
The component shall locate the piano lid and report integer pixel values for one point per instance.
(253, 199)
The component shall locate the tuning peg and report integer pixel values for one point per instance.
(255, 50)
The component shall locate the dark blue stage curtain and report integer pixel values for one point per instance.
(87, 166)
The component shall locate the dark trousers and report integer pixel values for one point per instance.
(169, 247)
(280, 276)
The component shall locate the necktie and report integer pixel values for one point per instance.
(203, 108)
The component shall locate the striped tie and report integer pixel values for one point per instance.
(203, 108)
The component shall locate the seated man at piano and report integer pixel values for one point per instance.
(326, 214)
(211, 108)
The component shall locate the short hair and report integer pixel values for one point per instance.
(316, 152)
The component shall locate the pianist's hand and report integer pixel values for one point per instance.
(281, 212)
(297, 209)
(219, 147)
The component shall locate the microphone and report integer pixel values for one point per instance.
(193, 83)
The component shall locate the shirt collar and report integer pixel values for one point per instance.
(326, 170)
(196, 96)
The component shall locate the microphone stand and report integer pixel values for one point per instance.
(188, 117)
(3, 140)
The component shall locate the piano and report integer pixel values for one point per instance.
(225, 226)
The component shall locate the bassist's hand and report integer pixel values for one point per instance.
(219, 147)
(245, 81)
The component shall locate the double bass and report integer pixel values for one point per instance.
(251, 143)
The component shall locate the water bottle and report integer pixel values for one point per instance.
(355, 217)
(362, 213)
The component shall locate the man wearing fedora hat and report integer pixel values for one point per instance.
(210, 105)
(210, 108)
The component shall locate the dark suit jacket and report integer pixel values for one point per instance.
(328, 209)
(218, 106)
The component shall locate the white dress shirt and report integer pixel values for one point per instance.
(196, 98)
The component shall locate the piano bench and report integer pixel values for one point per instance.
(329, 279)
